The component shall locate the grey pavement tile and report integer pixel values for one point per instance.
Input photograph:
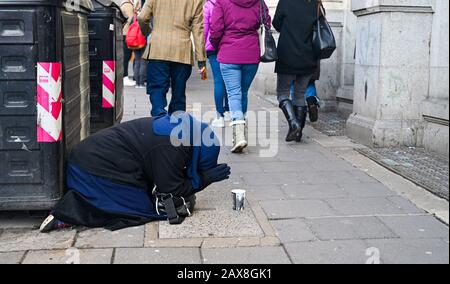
(69, 256)
(362, 176)
(254, 255)
(157, 256)
(327, 177)
(304, 156)
(11, 257)
(405, 205)
(101, 238)
(290, 209)
(366, 206)
(339, 165)
(11, 241)
(367, 189)
(412, 251)
(294, 230)
(245, 168)
(318, 191)
(349, 228)
(271, 179)
(284, 167)
(262, 193)
(417, 227)
(215, 223)
(328, 252)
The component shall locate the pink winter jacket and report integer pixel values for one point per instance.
(207, 12)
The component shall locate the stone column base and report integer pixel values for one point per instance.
(385, 133)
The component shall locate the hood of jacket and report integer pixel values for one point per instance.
(245, 3)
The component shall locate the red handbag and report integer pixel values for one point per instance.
(135, 39)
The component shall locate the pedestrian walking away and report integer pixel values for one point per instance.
(124, 176)
(297, 63)
(170, 51)
(140, 65)
(127, 8)
(234, 33)
(220, 92)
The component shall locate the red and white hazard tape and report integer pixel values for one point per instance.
(109, 84)
(49, 102)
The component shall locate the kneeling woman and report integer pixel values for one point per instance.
(137, 172)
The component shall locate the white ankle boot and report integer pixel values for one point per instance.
(239, 136)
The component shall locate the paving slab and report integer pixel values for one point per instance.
(349, 228)
(291, 209)
(214, 223)
(327, 177)
(262, 193)
(318, 191)
(367, 206)
(328, 252)
(257, 255)
(157, 256)
(101, 238)
(11, 241)
(412, 251)
(367, 189)
(11, 257)
(417, 227)
(69, 256)
(295, 230)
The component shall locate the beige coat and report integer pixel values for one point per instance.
(174, 21)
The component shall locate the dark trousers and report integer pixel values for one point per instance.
(140, 67)
(126, 59)
(162, 75)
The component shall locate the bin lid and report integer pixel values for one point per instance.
(99, 4)
(79, 6)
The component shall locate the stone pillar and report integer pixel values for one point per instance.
(344, 96)
(436, 105)
(392, 75)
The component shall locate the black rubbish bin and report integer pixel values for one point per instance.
(106, 64)
(44, 97)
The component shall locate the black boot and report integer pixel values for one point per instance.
(294, 124)
(301, 114)
(313, 107)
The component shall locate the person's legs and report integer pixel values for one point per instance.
(284, 84)
(143, 71)
(232, 76)
(137, 66)
(219, 86)
(301, 83)
(158, 83)
(126, 59)
(248, 75)
(285, 87)
(301, 111)
(179, 75)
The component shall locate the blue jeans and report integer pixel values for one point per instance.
(220, 91)
(161, 75)
(238, 79)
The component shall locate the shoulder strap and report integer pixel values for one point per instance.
(320, 9)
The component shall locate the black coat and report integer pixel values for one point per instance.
(132, 154)
(294, 19)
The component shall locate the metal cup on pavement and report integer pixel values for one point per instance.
(238, 199)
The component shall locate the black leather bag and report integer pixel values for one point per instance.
(266, 41)
(323, 40)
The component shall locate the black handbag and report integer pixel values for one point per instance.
(266, 41)
(323, 40)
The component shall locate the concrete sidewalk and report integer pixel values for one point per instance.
(314, 202)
